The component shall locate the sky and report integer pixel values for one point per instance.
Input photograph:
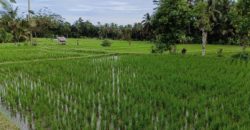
(105, 11)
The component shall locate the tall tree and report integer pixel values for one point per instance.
(241, 20)
(223, 30)
(205, 14)
(202, 21)
(171, 21)
(127, 32)
(48, 24)
(17, 26)
(147, 26)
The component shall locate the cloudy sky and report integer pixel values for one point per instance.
(118, 11)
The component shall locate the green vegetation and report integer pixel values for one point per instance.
(106, 43)
(105, 77)
(173, 22)
(201, 21)
(130, 92)
(92, 92)
(48, 48)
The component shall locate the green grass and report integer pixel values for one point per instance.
(5, 124)
(80, 87)
(95, 45)
(211, 49)
(143, 47)
(48, 48)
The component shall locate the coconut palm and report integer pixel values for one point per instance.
(18, 27)
(147, 20)
(147, 25)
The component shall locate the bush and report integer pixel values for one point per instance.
(5, 36)
(34, 43)
(106, 43)
(26, 44)
(242, 56)
(154, 50)
(220, 53)
(183, 51)
(159, 48)
(173, 49)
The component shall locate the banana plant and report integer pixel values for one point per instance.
(6, 4)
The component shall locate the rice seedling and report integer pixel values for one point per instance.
(130, 92)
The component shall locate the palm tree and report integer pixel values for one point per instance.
(6, 4)
(147, 25)
(127, 32)
(146, 19)
(18, 27)
(205, 13)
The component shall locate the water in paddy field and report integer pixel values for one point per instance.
(20, 121)
(115, 93)
(114, 58)
(98, 117)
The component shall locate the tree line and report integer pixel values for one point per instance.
(172, 22)
(201, 21)
(45, 23)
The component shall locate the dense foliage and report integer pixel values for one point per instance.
(206, 21)
(106, 43)
(45, 23)
(173, 22)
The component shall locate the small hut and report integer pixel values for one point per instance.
(61, 40)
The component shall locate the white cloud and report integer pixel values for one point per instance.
(119, 11)
(116, 3)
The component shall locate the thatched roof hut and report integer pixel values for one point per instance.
(61, 40)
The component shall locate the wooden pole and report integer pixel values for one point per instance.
(29, 18)
(29, 8)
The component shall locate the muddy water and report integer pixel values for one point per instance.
(114, 58)
(22, 122)
(17, 119)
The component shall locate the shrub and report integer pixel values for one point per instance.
(34, 43)
(163, 43)
(220, 53)
(184, 51)
(173, 49)
(153, 50)
(242, 56)
(25, 43)
(159, 48)
(106, 43)
(5, 36)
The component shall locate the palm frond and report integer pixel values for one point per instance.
(7, 4)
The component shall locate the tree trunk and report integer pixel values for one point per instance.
(173, 49)
(244, 41)
(204, 41)
(35, 35)
(31, 38)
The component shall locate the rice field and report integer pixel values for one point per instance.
(49, 49)
(73, 87)
(130, 92)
